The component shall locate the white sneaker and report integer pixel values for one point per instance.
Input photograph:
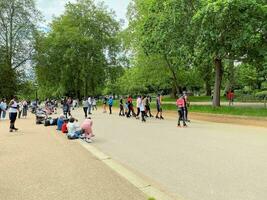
(88, 140)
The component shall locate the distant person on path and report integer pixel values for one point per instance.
(13, 110)
(142, 108)
(3, 109)
(24, 109)
(105, 100)
(185, 96)
(94, 106)
(20, 109)
(121, 113)
(181, 111)
(159, 107)
(66, 108)
(110, 104)
(138, 104)
(85, 107)
(89, 105)
(130, 107)
(147, 106)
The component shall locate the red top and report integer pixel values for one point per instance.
(64, 128)
(130, 100)
(230, 95)
(180, 102)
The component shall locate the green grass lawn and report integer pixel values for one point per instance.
(224, 110)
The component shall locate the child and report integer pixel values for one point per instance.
(64, 128)
(181, 110)
(60, 122)
(87, 129)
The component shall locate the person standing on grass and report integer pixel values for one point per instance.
(159, 107)
(230, 96)
(105, 100)
(85, 106)
(138, 104)
(110, 104)
(180, 103)
(13, 110)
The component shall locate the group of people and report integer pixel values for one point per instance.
(89, 104)
(70, 127)
(16, 109)
(143, 109)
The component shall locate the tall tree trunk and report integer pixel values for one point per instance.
(175, 80)
(218, 82)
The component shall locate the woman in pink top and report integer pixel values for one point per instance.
(87, 129)
(181, 110)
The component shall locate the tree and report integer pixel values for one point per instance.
(18, 19)
(228, 29)
(80, 53)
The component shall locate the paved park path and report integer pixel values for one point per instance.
(37, 163)
(207, 161)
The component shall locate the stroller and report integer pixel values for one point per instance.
(41, 116)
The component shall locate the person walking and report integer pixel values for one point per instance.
(110, 104)
(105, 100)
(130, 107)
(85, 106)
(180, 103)
(142, 108)
(138, 104)
(185, 96)
(147, 106)
(159, 107)
(3, 108)
(20, 109)
(89, 105)
(121, 113)
(94, 103)
(13, 110)
(24, 109)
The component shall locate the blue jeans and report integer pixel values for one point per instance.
(76, 135)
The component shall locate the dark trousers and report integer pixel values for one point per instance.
(131, 110)
(138, 112)
(110, 109)
(148, 111)
(121, 113)
(181, 113)
(85, 111)
(186, 113)
(12, 117)
(143, 114)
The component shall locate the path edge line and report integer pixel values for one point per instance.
(144, 186)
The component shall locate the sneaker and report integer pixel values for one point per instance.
(10, 130)
(88, 140)
(157, 117)
(15, 129)
(161, 117)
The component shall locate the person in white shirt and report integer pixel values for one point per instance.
(3, 107)
(94, 104)
(89, 105)
(74, 130)
(13, 109)
(138, 104)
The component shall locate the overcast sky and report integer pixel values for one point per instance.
(56, 7)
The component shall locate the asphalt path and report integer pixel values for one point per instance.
(207, 161)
